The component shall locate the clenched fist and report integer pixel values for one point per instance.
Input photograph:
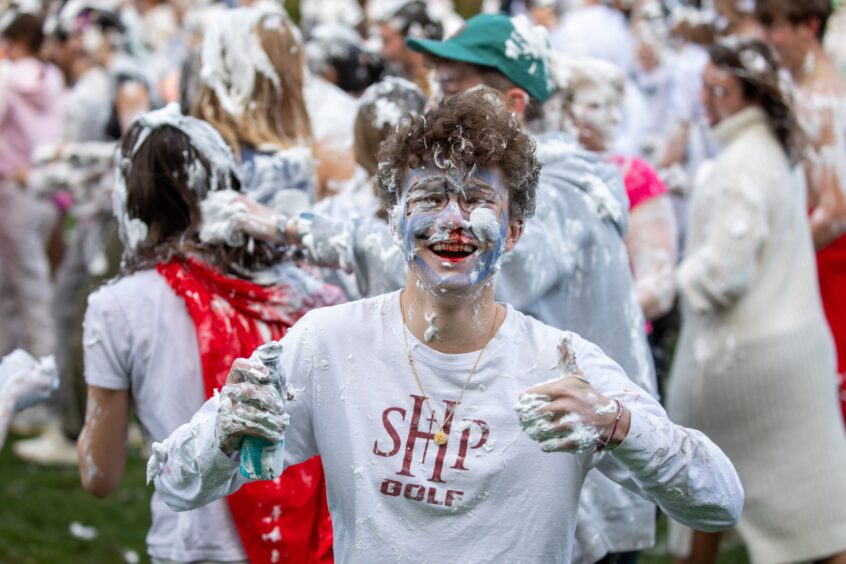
(250, 404)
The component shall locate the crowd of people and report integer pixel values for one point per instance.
(378, 275)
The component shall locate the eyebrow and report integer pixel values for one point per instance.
(428, 182)
(476, 181)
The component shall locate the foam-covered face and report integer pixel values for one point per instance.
(596, 114)
(454, 226)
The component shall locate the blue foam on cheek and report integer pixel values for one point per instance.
(413, 227)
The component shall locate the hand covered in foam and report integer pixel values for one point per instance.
(24, 382)
(567, 414)
(251, 404)
(229, 216)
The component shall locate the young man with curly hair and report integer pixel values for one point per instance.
(571, 269)
(410, 397)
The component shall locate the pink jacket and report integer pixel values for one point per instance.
(32, 107)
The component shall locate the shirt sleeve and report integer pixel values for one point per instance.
(679, 469)
(107, 343)
(651, 243)
(720, 270)
(189, 469)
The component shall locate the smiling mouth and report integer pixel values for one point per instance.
(453, 252)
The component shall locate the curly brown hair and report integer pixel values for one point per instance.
(473, 128)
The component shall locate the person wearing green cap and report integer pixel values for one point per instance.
(509, 46)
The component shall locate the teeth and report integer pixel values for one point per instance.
(452, 248)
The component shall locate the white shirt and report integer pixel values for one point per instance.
(489, 494)
(139, 336)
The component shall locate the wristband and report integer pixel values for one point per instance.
(603, 444)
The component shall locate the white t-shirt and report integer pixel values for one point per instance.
(489, 494)
(139, 336)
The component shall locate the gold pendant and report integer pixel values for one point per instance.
(441, 438)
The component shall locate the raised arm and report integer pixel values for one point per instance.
(364, 246)
(595, 405)
(198, 463)
(189, 468)
(825, 166)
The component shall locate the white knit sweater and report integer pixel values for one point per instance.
(754, 367)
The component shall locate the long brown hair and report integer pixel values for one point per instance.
(755, 65)
(276, 116)
(158, 179)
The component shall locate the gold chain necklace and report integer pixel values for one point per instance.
(441, 437)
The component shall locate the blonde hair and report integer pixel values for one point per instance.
(276, 114)
(573, 74)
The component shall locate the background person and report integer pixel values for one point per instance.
(155, 340)
(754, 351)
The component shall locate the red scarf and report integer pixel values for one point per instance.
(282, 520)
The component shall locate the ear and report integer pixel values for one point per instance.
(516, 100)
(814, 26)
(513, 233)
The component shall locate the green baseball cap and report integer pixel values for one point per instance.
(513, 46)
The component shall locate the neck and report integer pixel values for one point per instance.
(451, 324)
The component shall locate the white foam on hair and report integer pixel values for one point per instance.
(385, 110)
(328, 41)
(337, 12)
(206, 141)
(232, 56)
(221, 213)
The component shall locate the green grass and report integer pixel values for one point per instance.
(37, 506)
